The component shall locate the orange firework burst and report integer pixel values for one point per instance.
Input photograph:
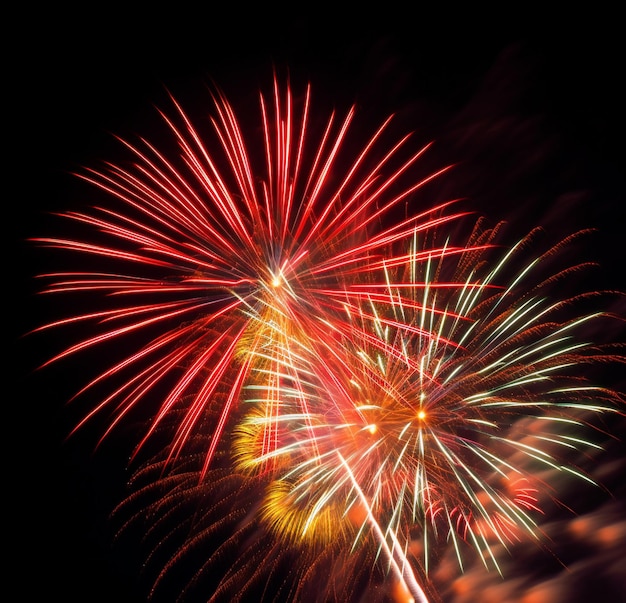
(427, 440)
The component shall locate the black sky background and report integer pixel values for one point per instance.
(531, 105)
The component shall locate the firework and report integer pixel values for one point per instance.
(233, 253)
(342, 387)
(431, 442)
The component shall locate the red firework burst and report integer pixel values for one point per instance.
(226, 258)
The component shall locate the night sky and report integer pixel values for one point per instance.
(531, 110)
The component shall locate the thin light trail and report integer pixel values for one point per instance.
(402, 567)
